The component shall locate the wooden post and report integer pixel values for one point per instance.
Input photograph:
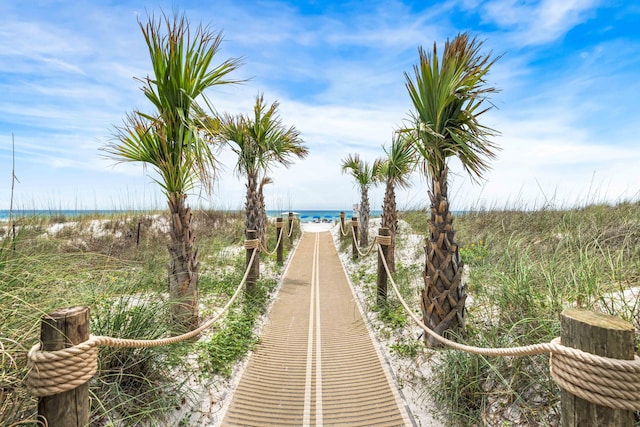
(290, 227)
(62, 329)
(254, 270)
(603, 335)
(138, 236)
(280, 249)
(341, 226)
(382, 272)
(354, 241)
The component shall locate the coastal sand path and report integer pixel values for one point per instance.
(316, 363)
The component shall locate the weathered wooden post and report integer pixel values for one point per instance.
(280, 248)
(58, 330)
(382, 272)
(254, 269)
(354, 241)
(138, 235)
(290, 227)
(603, 335)
(341, 226)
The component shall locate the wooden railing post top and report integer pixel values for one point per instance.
(601, 320)
(279, 222)
(290, 215)
(384, 231)
(66, 312)
(342, 215)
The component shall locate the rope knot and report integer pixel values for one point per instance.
(614, 383)
(251, 244)
(383, 240)
(54, 372)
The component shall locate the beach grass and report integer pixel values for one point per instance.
(117, 265)
(524, 269)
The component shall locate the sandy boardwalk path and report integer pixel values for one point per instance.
(316, 363)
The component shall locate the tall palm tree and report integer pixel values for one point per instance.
(170, 139)
(449, 95)
(362, 172)
(394, 171)
(260, 142)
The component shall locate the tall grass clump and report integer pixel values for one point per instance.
(524, 269)
(133, 385)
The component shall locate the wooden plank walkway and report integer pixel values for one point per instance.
(316, 363)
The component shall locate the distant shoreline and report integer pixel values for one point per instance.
(305, 215)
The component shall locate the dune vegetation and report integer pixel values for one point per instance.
(117, 265)
(524, 267)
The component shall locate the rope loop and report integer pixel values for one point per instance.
(383, 240)
(613, 383)
(251, 244)
(54, 372)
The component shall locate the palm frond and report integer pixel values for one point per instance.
(174, 139)
(449, 94)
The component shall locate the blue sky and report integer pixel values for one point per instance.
(566, 110)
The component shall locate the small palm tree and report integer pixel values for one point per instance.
(394, 171)
(259, 142)
(362, 172)
(170, 139)
(448, 96)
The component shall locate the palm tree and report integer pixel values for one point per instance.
(170, 139)
(394, 170)
(449, 96)
(259, 142)
(362, 172)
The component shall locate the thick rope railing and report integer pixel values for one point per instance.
(370, 249)
(264, 249)
(613, 383)
(290, 230)
(344, 230)
(54, 372)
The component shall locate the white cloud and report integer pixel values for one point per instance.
(537, 22)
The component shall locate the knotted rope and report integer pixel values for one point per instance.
(54, 372)
(614, 383)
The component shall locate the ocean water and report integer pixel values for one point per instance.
(319, 215)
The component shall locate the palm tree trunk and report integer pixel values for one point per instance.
(443, 297)
(390, 220)
(252, 204)
(183, 265)
(364, 217)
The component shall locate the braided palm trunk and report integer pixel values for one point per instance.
(183, 265)
(252, 204)
(390, 220)
(364, 217)
(443, 297)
